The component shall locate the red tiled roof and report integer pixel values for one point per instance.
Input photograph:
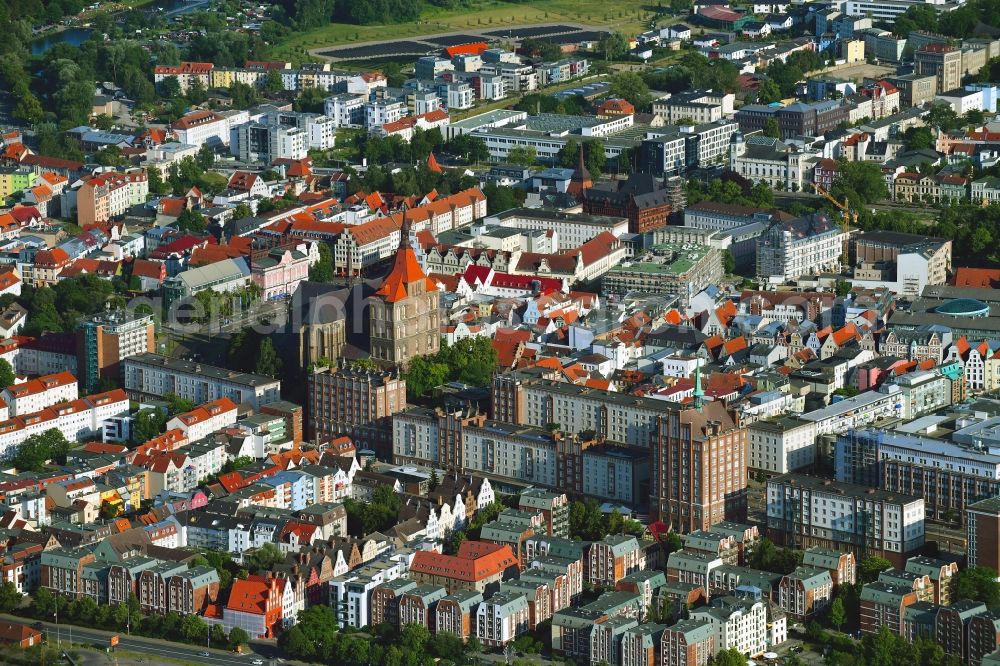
(149, 269)
(979, 278)
(242, 181)
(195, 119)
(250, 595)
(47, 162)
(474, 562)
(472, 48)
(184, 68)
(617, 106)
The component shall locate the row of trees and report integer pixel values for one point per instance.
(730, 189)
(315, 637)
(59, 308)
(385, 150)
(695, 71)
(129, 616)
(959, 23)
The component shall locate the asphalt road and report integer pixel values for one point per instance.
(153, 647)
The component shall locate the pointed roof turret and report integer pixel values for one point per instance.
(581, 180)
(432, 163)
(406, 271)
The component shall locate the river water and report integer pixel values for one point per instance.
(77, 36)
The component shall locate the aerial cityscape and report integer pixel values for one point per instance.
(500, 333)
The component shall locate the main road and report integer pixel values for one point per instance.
(154, 647)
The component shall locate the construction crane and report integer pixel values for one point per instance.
(847, 216)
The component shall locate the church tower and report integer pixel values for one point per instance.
(404, 313)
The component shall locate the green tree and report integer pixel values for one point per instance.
(916, 138)
(7, 377)
(170, 87)
(272, 82)
(522, 155)
(594, 157)
(771, 128)
(322, 270)
(613, 45)
(838, 616)
(861, 183)
(871, 567)
(729, 262)
(196, 93)
(238, 637)
(265, 557)
(768, 557)
(632, 88)
(978, 584)
(205, 157)
(268, 361)
(424, 374)
(768, 92)
(193, 628)
(730, 657)
(500, 198)
(10, 598)
(192, 221)
(28, 109)
(243, 95)
(943, 117)
(36, 450)
(310, 100)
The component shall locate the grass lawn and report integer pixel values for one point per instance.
(481, 15)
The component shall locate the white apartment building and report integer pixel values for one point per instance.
(459, 96)
(35, 395)
(738, 623)
(856, 411)
(804, 246)
(79, 420)
(205, 419)
(152, 375)
(572, 229)
(380, 112)
(696, 106)
(782, 445)
(208, 127)
(809, 511)
(345, 110)
(886, 10)
(516, 77)
(321, 132)
(502, 618)
(764, 159)
(492, 87)
(259, 142)
(714, 139)
(205, 458)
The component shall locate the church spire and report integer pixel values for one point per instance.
(404, 233)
